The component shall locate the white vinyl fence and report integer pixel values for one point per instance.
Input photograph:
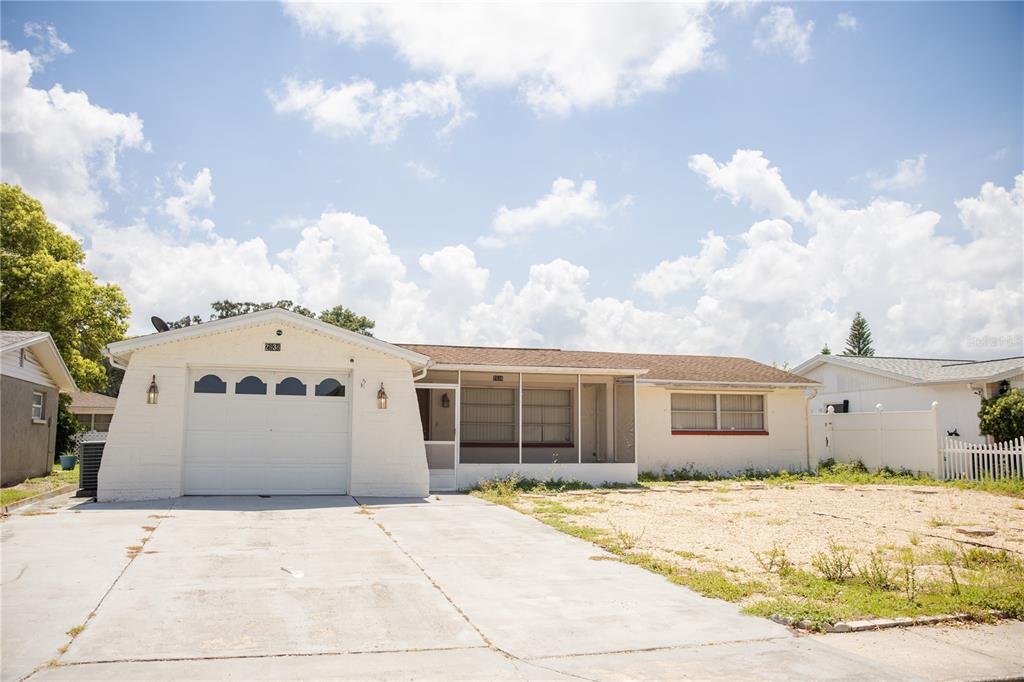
(975, 461)
(898, 440)
(910, 440)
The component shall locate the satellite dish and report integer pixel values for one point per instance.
(160, 325)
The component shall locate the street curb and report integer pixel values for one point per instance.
(69, 488)
(881, 623)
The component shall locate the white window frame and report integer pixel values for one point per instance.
(38, 409)
(718, 415)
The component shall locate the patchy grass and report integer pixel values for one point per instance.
(32, 487)
(903, 578)
(853, 473)
(556, 507)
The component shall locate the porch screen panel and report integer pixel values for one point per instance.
(488, 415)
(693, 412)
(547, 416)
(742, 412)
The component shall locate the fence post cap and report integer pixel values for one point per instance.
(879, 407)
(830, 410)
(935, 404)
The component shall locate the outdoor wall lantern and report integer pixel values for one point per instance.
(1004, 387)
(445, 402)
(382, 398)
(152, 393)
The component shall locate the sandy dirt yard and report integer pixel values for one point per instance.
(723, 525)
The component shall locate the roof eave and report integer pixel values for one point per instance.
(987, 378)
(51, 360)
(537, 369)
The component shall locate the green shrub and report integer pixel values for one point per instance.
(1002, 417)
(835, 564)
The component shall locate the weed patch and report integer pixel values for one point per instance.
(852, 473)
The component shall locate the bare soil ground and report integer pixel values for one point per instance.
(724, 525)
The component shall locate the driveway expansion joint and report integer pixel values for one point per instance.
(55, 661)
(368, 512)
(677, 647)
(291, 654)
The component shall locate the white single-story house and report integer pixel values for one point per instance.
(859, 384)
(274, 402)
(33, 375)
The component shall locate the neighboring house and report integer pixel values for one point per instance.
(274, 402)
(94, 412)
(32, 374)
(858, 384)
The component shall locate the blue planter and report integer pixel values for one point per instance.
(67, 462)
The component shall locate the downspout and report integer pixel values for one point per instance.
(809, 395)
(423, 372)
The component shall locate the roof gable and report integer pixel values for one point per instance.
(121, 351)
(45, 351)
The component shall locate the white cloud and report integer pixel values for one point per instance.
(682, 273)
(909, 173)
(360, 108)
(779, 31)
(170, 277)
(50, 44)
(778, 295)
(61, 148)
(847, 22)
(781, 296)
(421, 172)
(194, 195)
(749, 176)
(564, 205)
(560, 57)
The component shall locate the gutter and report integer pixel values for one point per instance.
(739, 384)
(527, 369)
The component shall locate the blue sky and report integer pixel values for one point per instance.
(834, 106)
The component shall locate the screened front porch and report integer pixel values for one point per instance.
(478, 425)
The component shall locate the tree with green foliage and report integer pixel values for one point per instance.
(859, 341)
(825, 350)
(339, 315)
(68, 428)
(1002, 417)
(45, 288)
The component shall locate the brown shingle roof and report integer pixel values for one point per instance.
(84, 400)
(683, 368)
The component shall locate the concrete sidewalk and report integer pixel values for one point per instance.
(338, 588)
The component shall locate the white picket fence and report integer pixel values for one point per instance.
(977, 461)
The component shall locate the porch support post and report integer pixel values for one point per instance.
(579, 419)
(636, 429)
(458, 425)
(519, 418)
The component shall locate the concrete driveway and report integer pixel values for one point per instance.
(334, 587)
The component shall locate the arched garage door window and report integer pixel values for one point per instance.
(250, 385)
(331, 388)
(290, 386)
(210, 383)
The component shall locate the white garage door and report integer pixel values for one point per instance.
(259, 432)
